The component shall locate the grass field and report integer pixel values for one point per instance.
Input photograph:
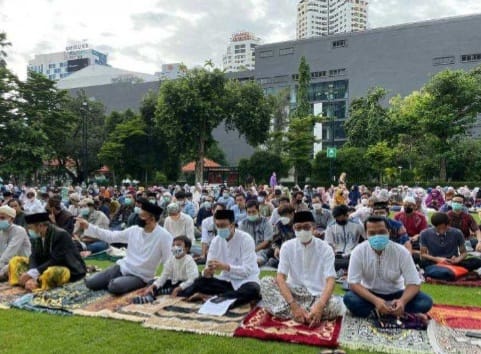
(27, 332)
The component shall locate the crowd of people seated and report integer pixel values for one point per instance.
(379, 242)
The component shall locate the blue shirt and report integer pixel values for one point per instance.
(239, 214)
(228, 202)
(189, 209)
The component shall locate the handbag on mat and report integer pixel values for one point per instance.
(458, 271)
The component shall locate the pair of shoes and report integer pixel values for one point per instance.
(139, 300)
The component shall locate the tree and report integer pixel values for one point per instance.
(368, 121)
(261, 165)
(380, 156)
(280, 120)
(300, 135)
(188, 110)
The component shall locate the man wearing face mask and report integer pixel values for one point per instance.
(382, 276)
(232, 252)
(126, 209)
(298, 202)
(208, 233)
(186, 206)
(464, 221)
(260, 229)
(178, 223)
(303, 287)
(59, 216)
(226, 199)
(413, 221)
(14, 240)
(343, 236)
(88, 243)
(283, 232)
(265, 207)
(54, 260)
(149, 245)
(322, 216)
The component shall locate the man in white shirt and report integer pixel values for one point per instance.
(233, 253)
(382, 276)
(305, 278)
(179, 223)
(208, 232)
(148, 245)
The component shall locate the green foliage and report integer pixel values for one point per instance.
(188, 110)
(261, 165)
(368, 120)
(280, 120)
(303, 108)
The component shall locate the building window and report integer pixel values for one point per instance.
(266, 53)
(337, 72)
(317, 74)
(443, 60)
(467, 58)
(339, 43)
(286, 51)
(295, 77)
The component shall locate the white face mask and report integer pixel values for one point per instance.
(317, 206)
(304, 236)
(285, 220)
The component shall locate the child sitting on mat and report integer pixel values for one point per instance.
(179, 272)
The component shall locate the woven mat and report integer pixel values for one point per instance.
(457, 316)
(362, 334)
(9, 294)
(260, 324)
(445, 340)
(175, 314)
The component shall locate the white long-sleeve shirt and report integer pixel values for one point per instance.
(145, 250)
(182, 227)
(239, 253)
(13, 242)
(208, 230)
(179, 270)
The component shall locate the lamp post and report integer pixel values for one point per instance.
(84, 111)
(330, 115)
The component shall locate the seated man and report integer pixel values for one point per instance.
(461, 219)
(343, 236)
(260, 230)
(305, 278)
(14, 240)
(88, 243)
(322, 216)
(233, 253)
(54, 260)
(382, 276)
(208, 233)
(58, 215)
(283, 232)
(148, 245)
(397, 231)
(414, 222)
(178, 223)
(444, 244)
(180, 272)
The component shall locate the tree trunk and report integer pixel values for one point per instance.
(199, 164)
(442, 169)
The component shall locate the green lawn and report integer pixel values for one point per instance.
(26, 332)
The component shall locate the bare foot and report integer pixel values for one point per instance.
(198, 296)
(85, 254)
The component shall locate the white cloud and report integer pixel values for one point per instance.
(141, 35)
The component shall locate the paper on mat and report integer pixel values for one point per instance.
(212, 307)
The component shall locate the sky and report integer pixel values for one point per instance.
(142, 35)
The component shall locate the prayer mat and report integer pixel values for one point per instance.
(8, 294)
(362, 334)
(471, 279)
(446, 340)
(262, 325)
(178, 315)
(457, 316)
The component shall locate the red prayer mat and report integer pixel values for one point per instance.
(260, 324)
(457, 316)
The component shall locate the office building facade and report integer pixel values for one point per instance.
(240, 54)
(77, 55)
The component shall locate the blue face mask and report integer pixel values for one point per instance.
(224, 233)
(252, 218)
(378, 242)
(33, 233)
(137, 210)
(4, 224)
(456, 206)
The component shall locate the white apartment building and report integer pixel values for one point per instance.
(77, 55)
(240, 53)
(324, 17)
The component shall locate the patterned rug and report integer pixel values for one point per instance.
(175, 314)
(469, 280)
(457, 316)
(362, 334)
(9, 294)
(445, 340)
(262, 325)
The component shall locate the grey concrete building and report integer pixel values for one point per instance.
(399, 58)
